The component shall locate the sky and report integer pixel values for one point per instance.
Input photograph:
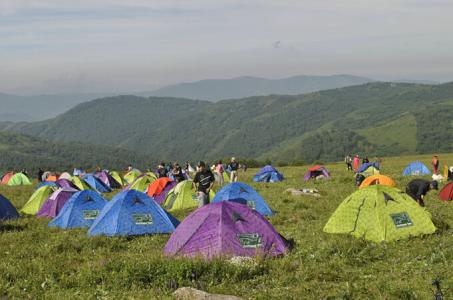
(86, 46)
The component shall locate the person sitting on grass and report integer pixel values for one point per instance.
(418, 188)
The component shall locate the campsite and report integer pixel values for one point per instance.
(62, 263)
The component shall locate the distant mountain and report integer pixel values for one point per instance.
(40, 107)
(375, 118)
(241, 87)
(19, 151)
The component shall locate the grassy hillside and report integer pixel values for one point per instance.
(241, 87)
(39, 262)
(20, 151)
(371, 118)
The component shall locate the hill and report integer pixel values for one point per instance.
(246, 86)
(19, 151)
(374, 118)
(39, 107)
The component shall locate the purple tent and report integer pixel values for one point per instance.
(107, 179)
(160, 199)
(65, 183)
(225, 229)
(55, 202)
(315, 172)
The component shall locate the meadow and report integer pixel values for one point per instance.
(38, 262)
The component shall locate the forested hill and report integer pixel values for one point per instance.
(19, 151)
(374, 118)
(247, 86)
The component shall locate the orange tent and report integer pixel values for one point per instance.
(7, 177)
(377, 179)
(52, 178)
(157, 186)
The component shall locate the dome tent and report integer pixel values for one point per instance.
(19, 179)
(315, 172)
(37, 199)
(268, 174)
(7, 210)
(416, 168)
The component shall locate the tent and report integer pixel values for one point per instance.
(159, 189)
(268, 174)
(380, 213)
(19, 179)
(78, 172)
(47, 183)
(132, 175)
(370, 171)
(7, 210)
(108, 180)
(132, 213)
(416, 168)
(365, 166)
(7, 177)
(141, 183)
(80, 211)
(65, 175)
(446, 194)
(96, 184)
(53, 205)
(182, 196)
(51, 178)
(117, 177)
(79, 183)
(225, 228)
(377, 179)
(65, 183)
(245, 194)
(315, 172)
(37, 199)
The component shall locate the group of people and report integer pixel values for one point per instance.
(353, 163)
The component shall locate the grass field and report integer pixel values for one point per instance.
(39, 262)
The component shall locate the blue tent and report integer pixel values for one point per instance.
(243, 193)
(7, 210)
(80, 211)
(96, 184)
(268, 174)
(365, 166)
(132, 213)
(49, 183)
(416, 168)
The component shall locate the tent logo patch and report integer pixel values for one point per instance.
(251, 204)
(142, 219)
(250, 240)
(90, 214)
(401, 220)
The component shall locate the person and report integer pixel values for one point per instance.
(359, 178)
(365, 160)
(233, 166)
(378, 162)
(219, 170)
(177, 173)
(40, 173)
(161, 172)
(348, 161)
(435, 163)
(129, 168)
(168, 168)
(356, 163)
(418, 188)
(203, 182)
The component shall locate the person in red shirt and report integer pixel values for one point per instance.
(356, 163)
(435, 163)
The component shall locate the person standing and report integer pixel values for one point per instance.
(435, 163)
(356, 163)
(177, 173)
(348, 161)
(234, 167)
(365, 160)
(418, 188)
(203, 182)
(219, 170)
(40, 173)
(161, 172)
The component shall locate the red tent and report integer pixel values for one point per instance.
(446, 193)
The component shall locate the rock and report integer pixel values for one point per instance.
(187, 293)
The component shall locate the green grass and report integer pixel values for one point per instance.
(39, 262)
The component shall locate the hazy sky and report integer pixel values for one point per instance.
(133, 45)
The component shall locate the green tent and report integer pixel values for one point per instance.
(380, 213)
(115, 175)
(19, 179)
(80, 184)
(37, 200)
(131, 176)
(183, 196)
(370, 171)
(141, 183)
